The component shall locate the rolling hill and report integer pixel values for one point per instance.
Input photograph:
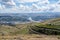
(51, 26)
(46, 27)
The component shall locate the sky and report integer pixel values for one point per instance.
(29, 6)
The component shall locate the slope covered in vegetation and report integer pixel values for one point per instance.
(47, 27)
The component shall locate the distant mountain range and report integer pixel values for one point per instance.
(27, 17)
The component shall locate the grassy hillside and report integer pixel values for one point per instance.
(52, 23)
(47, 27)
(13, 30)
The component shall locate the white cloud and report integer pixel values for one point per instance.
(39, 6)
(34, 7)
(10, 3)
(7, 3)
(24, 1)
(43, 2)
(0, 7)
(57, 8)
(22, 7)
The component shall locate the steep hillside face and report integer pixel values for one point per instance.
(52, 21)
(51, 26)
(47, 27)
(13, 30)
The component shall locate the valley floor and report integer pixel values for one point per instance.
(31, 37)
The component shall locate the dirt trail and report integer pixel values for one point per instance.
(30, 37)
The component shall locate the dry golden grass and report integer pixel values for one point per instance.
(30, 37)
